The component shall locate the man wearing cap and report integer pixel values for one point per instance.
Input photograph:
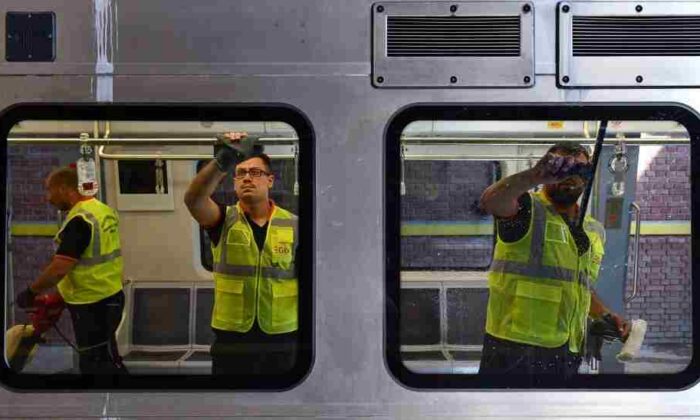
(87, 270)
(254, 243)
(544, 269)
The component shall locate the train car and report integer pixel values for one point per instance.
(385, 122)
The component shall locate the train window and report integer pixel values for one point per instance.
(144, 185)
(142, 177)
(495, 275)
(105, 286)
(440, 229)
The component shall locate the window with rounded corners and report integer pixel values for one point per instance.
(165, 335)
(446, 328)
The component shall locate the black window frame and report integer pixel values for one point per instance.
(181, 112)
(527, 111)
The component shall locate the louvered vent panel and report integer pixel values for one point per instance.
(453, 36)
(636, 35)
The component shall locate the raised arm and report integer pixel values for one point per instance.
(501, 198)
(198, 195)
(229, 151)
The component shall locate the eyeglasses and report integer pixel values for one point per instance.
(253, 172)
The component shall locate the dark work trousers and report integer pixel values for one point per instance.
(507, 357)
(95, 325)
(253, 352)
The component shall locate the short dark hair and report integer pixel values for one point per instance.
(265, 158)
(65, 176)
(570, 149)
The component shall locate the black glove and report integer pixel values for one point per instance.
(584, 170)
(606, 328)
(25, 299)
(600, 331)
(229, 154)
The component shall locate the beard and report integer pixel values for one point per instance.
(563, 195)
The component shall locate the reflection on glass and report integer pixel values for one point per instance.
(115, 284)
(543, 294)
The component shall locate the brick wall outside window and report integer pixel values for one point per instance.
(27, 170)
(664, 292)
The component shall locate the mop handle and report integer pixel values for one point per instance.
(594, 164)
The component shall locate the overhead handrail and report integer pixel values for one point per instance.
(138, 141)
(170, 156)
(532, 141)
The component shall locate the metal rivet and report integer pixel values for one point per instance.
(50, 36)
(639, 8)
(565, 79)
(453, 79)
(639, 79)
(9, 36)
(380, 9)
(29, 16)
(30, 56)
(527, 8)
(453, 8)
(526, 79)
(380, 79)
(565, 9)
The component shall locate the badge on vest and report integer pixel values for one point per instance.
(283, 249)
(282, 241)
(110, 224)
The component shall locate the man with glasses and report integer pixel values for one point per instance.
(544, 269)
(254, 242)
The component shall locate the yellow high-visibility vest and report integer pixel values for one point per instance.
(98, 273)
(539, 287)
(252, 284)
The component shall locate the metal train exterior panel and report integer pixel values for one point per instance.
(315, 58)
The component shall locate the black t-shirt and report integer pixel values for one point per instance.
(75, 238)
(514, 228)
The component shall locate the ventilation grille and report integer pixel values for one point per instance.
(636, 35)
(453, 36)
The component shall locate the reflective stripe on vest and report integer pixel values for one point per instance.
(97, 273)
(253, 284)
(534, 267)
(538, 303)
(96, 258)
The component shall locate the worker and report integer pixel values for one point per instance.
(544, 269)
(87, 269)
(254, 243)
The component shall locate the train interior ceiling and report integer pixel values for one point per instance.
(641, 194)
